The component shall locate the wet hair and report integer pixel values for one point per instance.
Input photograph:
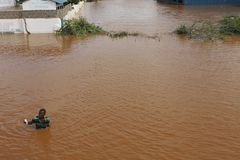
(42, 110)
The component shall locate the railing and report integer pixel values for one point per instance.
(62, 12)
(18, 14)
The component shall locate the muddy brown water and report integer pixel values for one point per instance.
(130, 98)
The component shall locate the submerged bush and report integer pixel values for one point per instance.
(121, 34)
(79, 27)
(118, 34)
(183, 29)
(203, 29)
(230, 25)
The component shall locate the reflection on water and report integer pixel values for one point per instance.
(130, 98)
(35, 44)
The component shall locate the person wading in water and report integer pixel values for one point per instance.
(41, 121)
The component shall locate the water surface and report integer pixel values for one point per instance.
(130, 98)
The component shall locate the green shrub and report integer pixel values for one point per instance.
(230, 25)
(183, 29)
(79, 27)
(122, 34)
(201, 29)
(66, 28)
(118, 34)
(204, 29)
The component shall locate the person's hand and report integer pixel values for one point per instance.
(25, 121)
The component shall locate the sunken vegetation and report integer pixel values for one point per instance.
(230, 25)
(81, 27)
(121, 34)
(206, 30)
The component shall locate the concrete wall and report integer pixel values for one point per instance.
(34, 25)
(47, 21)
(39, 5)
(11, 25)
(43, 25)
(39, 21)
(7, 3)
(28, 14)
(17, 14)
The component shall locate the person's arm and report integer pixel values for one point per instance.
(29, 122)
(47, 121)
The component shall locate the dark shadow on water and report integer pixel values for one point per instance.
(175, 2)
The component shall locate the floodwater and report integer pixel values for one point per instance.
(169, 98)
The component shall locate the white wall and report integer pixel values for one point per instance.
(7, 3)
(39, 25)
(43, 25)
(38, 5)
(11, 25)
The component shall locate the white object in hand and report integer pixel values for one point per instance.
(25, 121)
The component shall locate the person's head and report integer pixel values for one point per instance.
(41, 113)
